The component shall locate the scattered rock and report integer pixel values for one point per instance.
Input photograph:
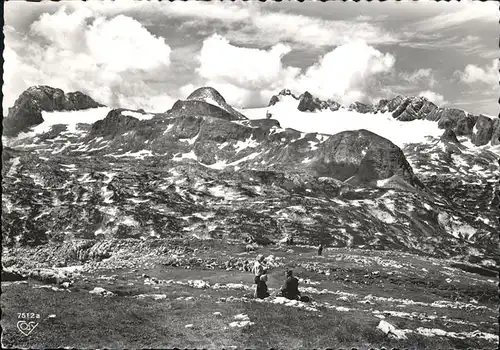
(101, 292)
(391, 331)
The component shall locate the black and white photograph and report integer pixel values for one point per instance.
(250, 175)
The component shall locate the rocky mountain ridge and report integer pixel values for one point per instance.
(480, 129)
(203, 170)
(27, 110)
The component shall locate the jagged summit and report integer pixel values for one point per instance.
(210, 95)
(481, 130)
(27, 110)
(207, 94)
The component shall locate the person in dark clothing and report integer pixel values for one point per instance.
(261, 291)
(320, 249)
(290, 289)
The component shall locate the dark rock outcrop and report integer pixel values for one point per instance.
(115, 123)
(483, 131)
(333, 105)
(392, 104)
(465, 125)
(274, 99)
(412, 108)
(362, 108)
(495, 137)
(449, 136)
(361, 156)
(308, 103)
(12, 276)
(448, 118)
(27, 110)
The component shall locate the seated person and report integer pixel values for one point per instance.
(261, 291)
(290, 289)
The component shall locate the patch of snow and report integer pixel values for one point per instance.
(248, 143)
(140, 154)
(107, 194)
(13, 167)
(138, 115)
(151, 296)
(333, 122)
(68, 118)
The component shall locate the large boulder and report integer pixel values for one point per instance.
(482, 131)
(27, 110)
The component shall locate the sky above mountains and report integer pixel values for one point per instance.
(149, 54)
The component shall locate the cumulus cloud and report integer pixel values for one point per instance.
(346, 73)
(244, 67)
(472, 74)
(433, 97)
(245, 76)
(114, 60)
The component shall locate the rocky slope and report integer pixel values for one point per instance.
(204, 170)
(27, 110)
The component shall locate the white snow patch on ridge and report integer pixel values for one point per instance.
(68, 118)
(333, 122)
(137, 115)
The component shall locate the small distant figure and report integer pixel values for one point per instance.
(290, 289)
(320, 249)
(261, 292)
